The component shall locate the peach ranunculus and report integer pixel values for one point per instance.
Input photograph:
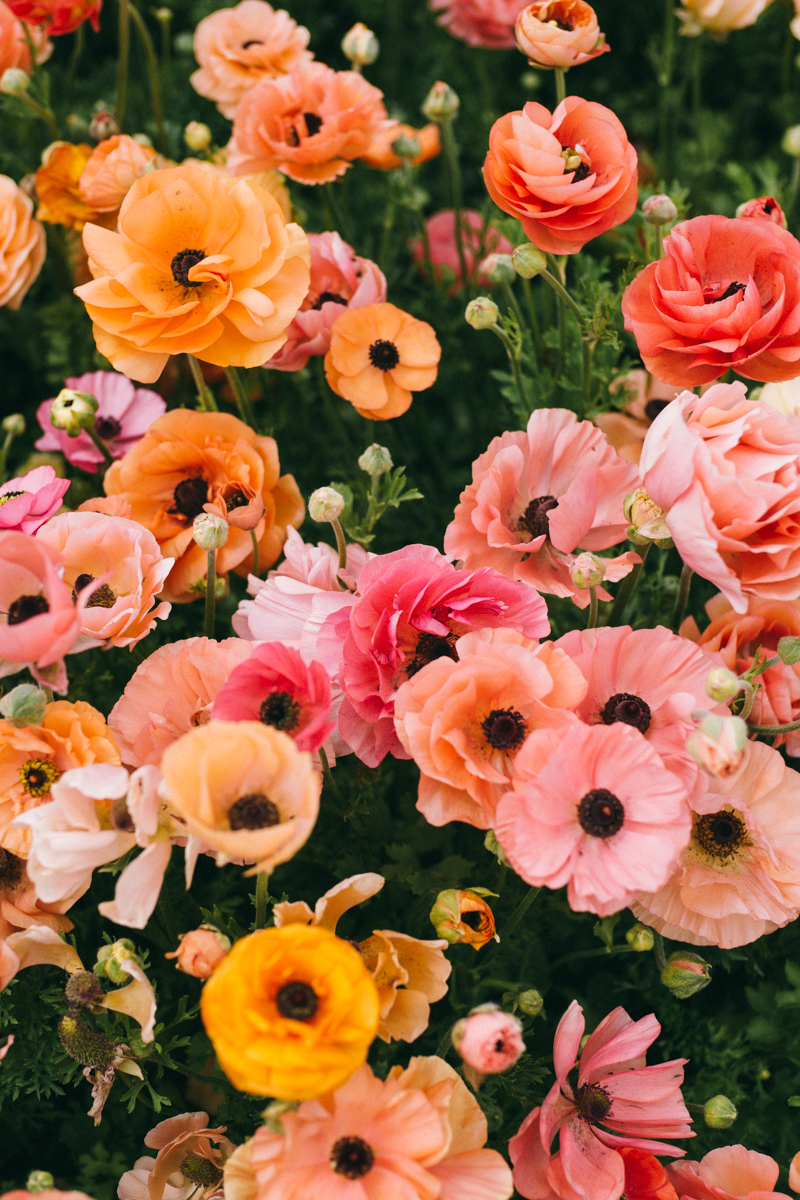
(719, 16)
(203, 264)
(58, 185)
(200, 951)
(568, 176)
(238, 47)
(182, 1140)
(310, 124)
(626, 430)
(559, 33)
(382, 157)
(486, 23)
(726, 471)
(20, 907)
(109, 174)
(22, 244)
(14, 44)
(728, 1173)
(176, 469)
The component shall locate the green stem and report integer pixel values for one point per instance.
(750, 695)
(77, 50)
(519, 912)
(658, 947)
(534, 320)
(445, 1044)
(4, 455)
(341, 544)
(664, 80)
(101, 446)
(513, 304)
(659, 247)
(327, 775)
(588, 355)
(211, 592)
(386, 236)
(339, 216)
(563, 294)
(626, 591)
(243, 402)
(123, 51)
(262, 896)
(682, 598)
(561, 85)
(254, 540)
(592, 622)
(602, 953)
(454, 181)
(165, 23)
(152, 67)
(775, 730)
(40, 110)
(697, 77)
(204, 394)
(516, 370)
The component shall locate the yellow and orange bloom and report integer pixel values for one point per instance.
(22, 244)
(111, 171)
(58, 185)
(464, 916)
(379, 355)
(381, 155)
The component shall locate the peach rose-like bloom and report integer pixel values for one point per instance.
(238, 47)
(203, 264)
(58, 185)
(568, 176)
(382, 157)
(486, 23)
(719, 16)
(559, 33)
(110, 173)
(728, 1173)
(22, 244)
(379, 356)
(310, 124)
(176, 469)
(14, 46)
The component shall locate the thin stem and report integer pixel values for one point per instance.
(519, 912)
(534, 320)
(659, 246)
(561, 85)
(658, 947)
(626, 591)
(123, 51)
(454, 181)
(164, 21)
(682, 598)
(592, 622)
(262, 896)
(327, 776)
(664, 80)
(101, 446)
(749, 697)
(4, 455)
(339, 216)
(243, 402)
(601, 953)
(386, 237)
(152, 67)
(563, 295)
(341, 544)
(697, 77)
(588, 355)
(40, 110)
(445, 1044)
(211, 592)
(204, 394)
(254, 540)
(775, 730)
(516, 371)
(77, 50)
(513, 304)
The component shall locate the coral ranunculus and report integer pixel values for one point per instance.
(22, 244)
(568, 176)
(559, 33)
(58, 16)
(203, 264)
(109, 174)
(14, 46)
(486, 23)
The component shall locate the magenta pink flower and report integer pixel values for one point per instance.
(29, 500)
(124, 415)
(489, 1040)
(275, 686)
(538, 495)
(614, 1089)
(477, 242)
(487, 23)
(340, 279)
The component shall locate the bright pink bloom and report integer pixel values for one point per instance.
(726, 294)
(729, 1173)
(765, 208)
(614, 1089)
(476, 240)
(123, 417)
(339, 279)
(275, 686)
(538, 495)
(487, 23)
(489, 1040)
(29, 500)
(593, 807)
(727, 472)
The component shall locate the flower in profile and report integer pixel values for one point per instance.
(238, 47)
(613, 1089)
(559, 33)
(23, 244)
(29, 500)
(486, 23)
(201, 951)
(59, 16)
(15, 49)
(728, 1173)
(111, 171)
(478, 240)
(187, 1149)
(21, 908)
(719, 17)
(464, 916)
(626, 430)
(764, 208)
(291, 1012)
(58, 185)
(381, 154)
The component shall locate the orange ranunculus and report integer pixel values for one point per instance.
(559, 33)
(110, 172)
(379, 355)
(178, 466)
(203, 264)
(381, 155)
(22, 244)
(58, 185)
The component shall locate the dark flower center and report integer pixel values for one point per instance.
(535, 519)
(383, 355)
(102, 598)
(473, 919)
(253, 811)
(107, 428)
(351, 1157)
(281, 711)
(600, 813)
(592, 1102)
(730, 290)
(297, 1000)
(182, 264)
(189, 496)
(25, 607)
(200, 1170)
(6, 496)
(120, 816)
(431, 646)
(329, 298)
(504, 728)
(770, 206)
(236, 500)
(654, 407)
(313, 123)
(252, 42)
(38, 775)
(11, 869)
(720, 834)
(631, 710)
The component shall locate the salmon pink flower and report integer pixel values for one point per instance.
(111, 171)
(182, 1139)
(489, 1040)
(626, 430)
(559, 33)
(764, 208)
(614, 1089)
(20, 907)
(58, 16)
(477, 239)
(29, 500)
(22, 244)
(382, 157)
(645, 1177)
(201, 951)
(728, 1173)
(487, 23)
(123, 416)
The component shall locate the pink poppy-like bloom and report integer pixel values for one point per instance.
(27, 501)
(593, 807)
(127, 557)
(22, 244)
(413, 605)
(339, 279)
(729, 1173)
(559, 33)
(276, 686)
(539, 494)
(419, 1134)
(14, 43)
(486, 23)
(764, 208)
(238, 47)
(726, 294)
(725, 470)
(739, 876)
(175, 1139)
(123, 417)
(464, 721)
(170, 693)
(115, 165)
(614, 1089)
(561, 207)
(489, 1040)
(477, 241)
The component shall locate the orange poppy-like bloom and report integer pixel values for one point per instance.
(22, 244)
(310, 124)
(111, 171)
(58, 185)
(59, 16)
(14, 47)
(381, 155)
(202, 264)
(379, 355)
(177, 467)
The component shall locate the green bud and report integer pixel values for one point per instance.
(376, 460)
(493, 846)
(528, 260)
(530, 1002)
(659, 210)
(197, 136)
(360, 46)
(481, 313)
(88, 1048)
(325, 504)
(14, 424)
(789, 650)
(498, 268)
(407, 147)
(184, 42)
(73, 411)
(685, 974)
(83, 989)
(209, 531)
(200, 1170)
(110, 957)
(640, 938)
(24, 705)
(791, 141)
(14, 82)
(719, 1112)
(722, 685)
(441, 103)
(39, 1181)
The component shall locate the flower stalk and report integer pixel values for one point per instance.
(204, 394)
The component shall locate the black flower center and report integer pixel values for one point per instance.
(200, 1170)
(313, 123)
(630, 710)
(720, 834)
(25, 607)
(38, 775)
(6, 496)
(473, 919)
(535, 519)
(383, 355)
(592, 1102)
(253, 811)
(431, 646)
(281, 711)
(730, 290)
(11, 869)
(600, 813)
(120, 816)
(654, 407)
(107, 428)
(189, 497)
(329, 298)
(504, 728)
(297, 1000)
(102, 598)
(182, 264)
(351, 1157)
(252, 42)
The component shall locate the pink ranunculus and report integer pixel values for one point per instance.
(339, 279)
(764, 208)
(487, 23)
(728, 1173)
(413, 605)
(489, 1040)
(477, 240)
(29, 500)
(726, 470)
(538, 495)
(617, 1102)
(122, 419)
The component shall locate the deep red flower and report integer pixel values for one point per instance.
(58, 16)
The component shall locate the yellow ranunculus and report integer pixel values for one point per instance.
(291, 1012)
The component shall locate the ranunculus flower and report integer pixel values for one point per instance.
(111, 171)
(489, 1040)
(340, 279)
(222, 287)
(238, 47)
(725, 295)
(200, 951)
(626, 430)
(14, 46)
(645, 1177)
(22, 244)
(60, 16)
(58, 185)
(27, 501)
(562, 207)
(21, 908)
(764, 208)
(728, 1173)
(487, 23)
(477, 241)
(726, 470)
(785, 396)
(123, 417)
(719, 16)
(184, 1136)
(381, 156)
(559, 33)
(449, 917)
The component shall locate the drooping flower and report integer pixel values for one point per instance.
(462, 915)
(728, 1173)
(111, 171)
(187, 1148)
(381, 155)
(29, 500)
(59, 16)
(20, 907)
(58, 185)
(477, 238)
(486, 23)
(626, 430)
(719, 17)
(14, 45)
(559, 33)
(22, 243)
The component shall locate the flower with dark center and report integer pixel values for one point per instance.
(329, 298)
(236, 499)
(630, 710)
(200, 1170)
(384, 355)
(6, 496)
(189, 496)
(654, 407)
(12, 869)
(730, 290)
(107, 428)
(252, 42)
(102, 598)
(313, 123)
(600, 813)
(583, 170)
(351, 1157)
(182, 264)
(38, 775)
(720, 834)
(592, 1102)
(429, 647)
(83, 989)
(120, 816)
(535, 520)
(281, 711)
(473, 919)
(504, 728)
(297, 1000)
(25, 607)
(253, 811)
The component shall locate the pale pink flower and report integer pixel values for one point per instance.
(115, 165)
(593, 807)
(159, 1178)
(122, 419)
(538, 495)
(487, 23)
(477, 241)
(489, 1040)
(27, 501)
(614, 1089)
(729, 1173)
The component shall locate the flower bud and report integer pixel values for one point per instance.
(39, 1181)
(442, 104)
(685, 974)
(209, 531)
(103, 125)
(530, 1002)
(640, 938)
(376, 460)
(111, 956)
(722, 685)
(200, 952)
(184, 42)
(73, 411)
(163, 14)
(528, 260)
(587, 570)
(789, 650)
(14, 82)
(482, 313)
(488, 1040)
(498, 268)
(764, 208)
(83, 989)
(197, 135)
(791, 141)
(407, 147)
(659, 210)
(647, 520)
(464, 916)
(719, 1112)
(718, 744)
(14, 424)
(24, 705)
(360, 46)
(88, 1048)
(143, 140)
(325, 504)
(493, 846)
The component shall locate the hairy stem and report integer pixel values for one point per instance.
(152, 68)
(211, 592)
(204, 394)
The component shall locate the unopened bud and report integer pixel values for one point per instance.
(647, 521)
(163, 14)
(659, 210)
(103, 125)
(640, 938)
(587, 570)
(184, 42)
(528, 260)
(763, 208)
(719, 1112)
(197, 135)
(441, 103)
(685, 974)
(14, 424)
(530, 1002)
(24, 705)
(407, 147)
(482, 313)
(39, 1181)
(83, 989)
(210, 531)
(498, 268)
(360, 46)
(73, 411)
(14, 82)
(722, 685)
(376, 460)
(789, 650)
(493, 846)
(791, 141)
(143, 140)
(88, 1048)
(325, 504)
(718, 744)
(111, 956)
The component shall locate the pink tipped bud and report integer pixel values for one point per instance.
(103, 125)
(659, 210)
(587, 570)
(200, 952)
(489, 1040)
(718, 744)
(764, 208)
